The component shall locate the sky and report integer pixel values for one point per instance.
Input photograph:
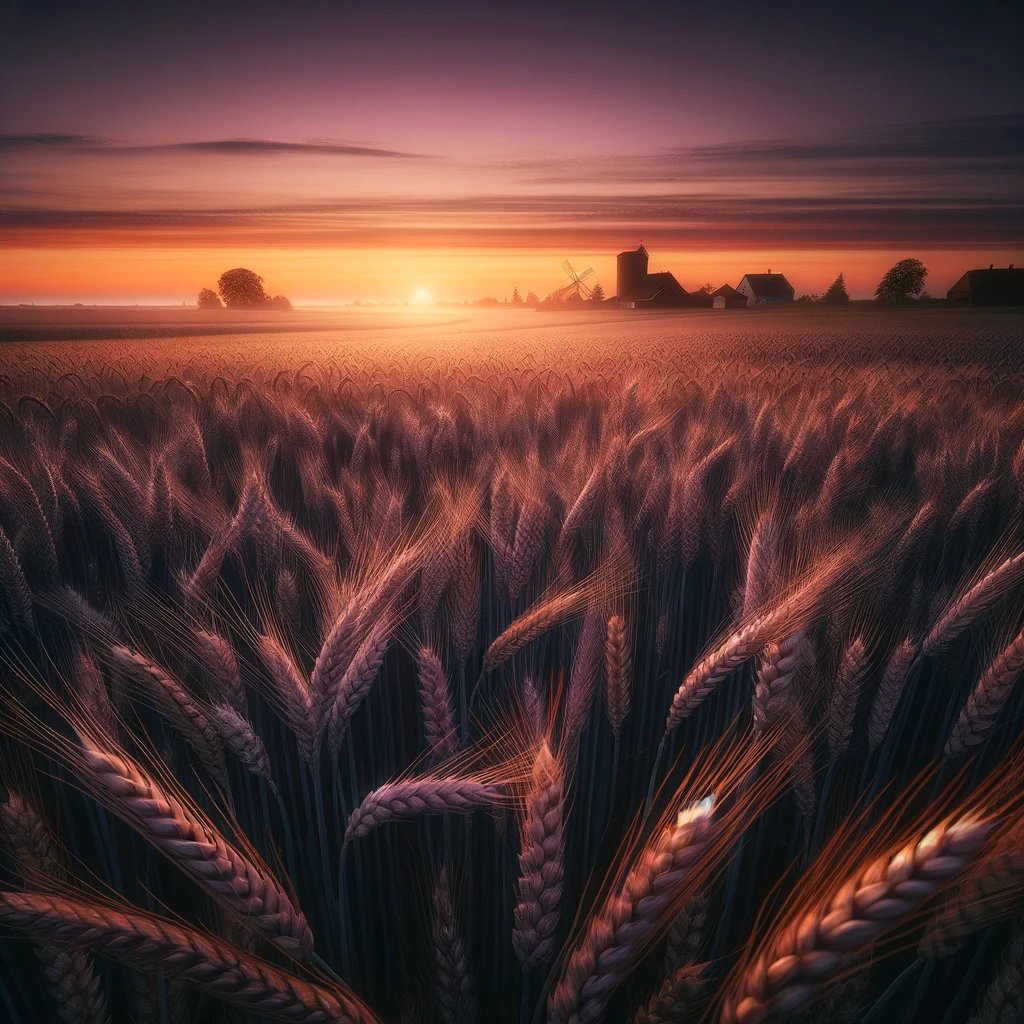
(388, 151)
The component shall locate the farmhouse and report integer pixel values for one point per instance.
(765, 289)
(997, 286)
(635, 288)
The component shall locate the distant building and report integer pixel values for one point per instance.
(766, 289)
(635, 288)
(997, 286)
(728, 297)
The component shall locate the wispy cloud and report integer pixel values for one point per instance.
(228, 147)
(919, 149)
(559, 220)
(53, 140)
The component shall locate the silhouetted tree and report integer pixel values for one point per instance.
(707, 289)
(280, 302)
(209, 299)
(532, 300)
(597, 293)
(242, 289)
(517, 299)
(903, 281)
(836, 293)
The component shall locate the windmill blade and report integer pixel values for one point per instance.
(567, 267)
(586, 273)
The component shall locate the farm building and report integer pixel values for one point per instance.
(638, 289)
(728, 297)
(997, 286)
(766, 289)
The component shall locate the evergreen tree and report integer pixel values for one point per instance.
(517, 299)
(532, 300)
(597, 294)
(836, 294)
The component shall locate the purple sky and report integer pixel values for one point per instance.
(270, 130)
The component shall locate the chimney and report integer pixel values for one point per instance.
(769, 270)
(991, 265)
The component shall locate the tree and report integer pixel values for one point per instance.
(532, 300)
(836, 293)
(209, 299)
(280, 302)
(902, 282)
(517, 299)
(597, 294)
(242, 289)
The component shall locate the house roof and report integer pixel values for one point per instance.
(769, 286)
(652, 285)
(1000, 286)
(729, 292)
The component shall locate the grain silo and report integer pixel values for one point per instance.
(631, 269)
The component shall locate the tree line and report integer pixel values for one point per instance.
(903, 282)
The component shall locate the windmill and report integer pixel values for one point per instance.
(575, 283)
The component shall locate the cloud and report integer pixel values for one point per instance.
(46, 139)
(264, 147)
(229, 147)
(553, 221)
(919, 149)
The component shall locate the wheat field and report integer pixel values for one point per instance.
(567, 675)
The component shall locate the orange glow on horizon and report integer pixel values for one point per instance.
(309, 276)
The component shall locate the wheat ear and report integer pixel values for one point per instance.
(807, 952)
(195, 846)
(152, 943)
(541, 863)
(618, 667)
(677, 998)
(438, 719)
(629, 920)
(1003, 999)
(987, 699)
(241, 739)
(973, 604)
(69, 972)
(842, 703)
(453, 987)
(178, 706)
(890, 688)
(398, 801)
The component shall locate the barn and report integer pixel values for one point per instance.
(638, 289)
(728, 297)
(765, 289)
(997, 286)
